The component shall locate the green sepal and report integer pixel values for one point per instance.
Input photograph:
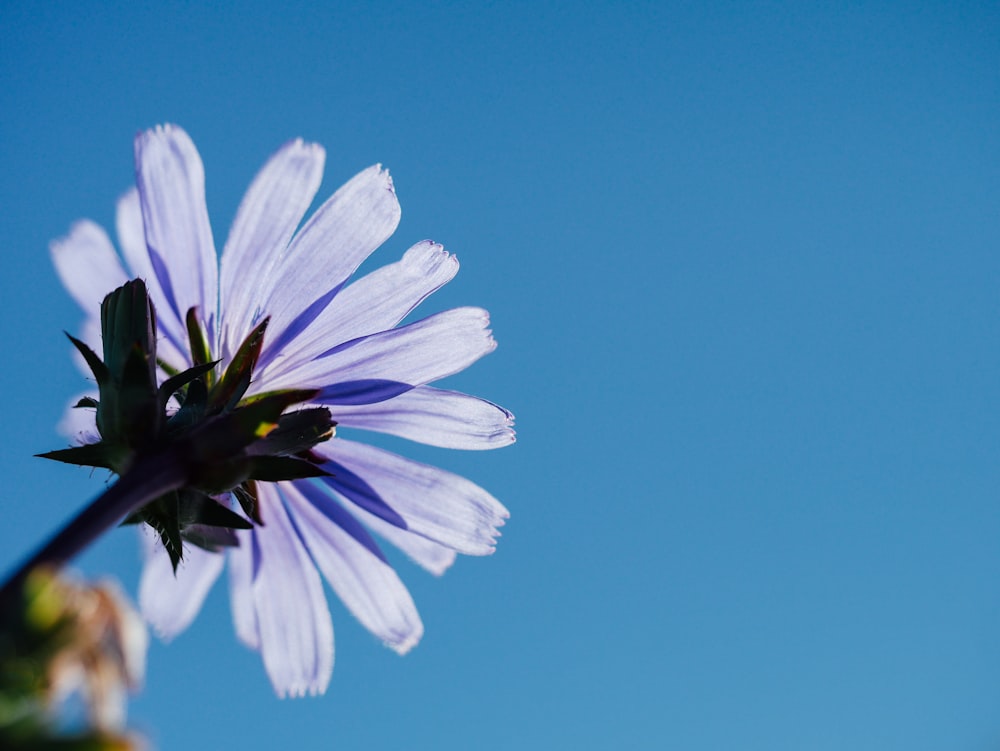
(224, 451)
(179, 380)
(226, 434)
(276, 468)
(198, 508)
(162, 515)
(139, 411)
(296, 432)
(97, 367)
(200, 354)
(285, 397)
(127, 411)
(246, 494)
(100, 454)
(127, 321)
(192, 410)
(236, 380)
(166, 367)
(212, 539)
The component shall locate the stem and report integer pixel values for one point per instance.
(147, 479)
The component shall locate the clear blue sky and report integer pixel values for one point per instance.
(743, 264)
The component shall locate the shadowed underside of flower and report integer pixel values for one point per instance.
(337, 337)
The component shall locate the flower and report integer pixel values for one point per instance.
(340, 338)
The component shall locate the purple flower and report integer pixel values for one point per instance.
(326, 334)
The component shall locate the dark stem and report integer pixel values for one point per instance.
(149, 478)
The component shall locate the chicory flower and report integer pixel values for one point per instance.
(326, 333)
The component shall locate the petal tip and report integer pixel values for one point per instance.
(408, 642)
(308, 148)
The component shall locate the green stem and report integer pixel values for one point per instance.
(148, 479)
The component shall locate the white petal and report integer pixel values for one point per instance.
(132, 235)
(343, 551)
(87, 265)
(428, 554)
(358, 218)
(440, 418)
(271, 210)
(171, 182)
(376, 302)
(296, 634)
(168, 602)
(438, 505)
(172, 343)
(241, 590)
(383, 365)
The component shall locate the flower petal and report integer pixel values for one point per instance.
(87, 265)
(363, 579)
(241, 590)
(168, 602)
(132, 237)
(296, 634)
(428, 554)
(440, 418)
(172, 343)
(389, 363)
(374, 303)
(355, 220)
(171, 183)
(435, 504)
(268, 215)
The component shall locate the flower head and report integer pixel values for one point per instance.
(325, 334)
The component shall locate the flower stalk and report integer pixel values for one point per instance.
(148, 479)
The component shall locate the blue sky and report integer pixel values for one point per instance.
(742, 262)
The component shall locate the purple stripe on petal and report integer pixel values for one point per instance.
(278, 343)
(132, 239)
(359, 492)
(366, 583)
(366, 391)
(439, 505)
(430, 555)
(338, 515)
(358, 218)
(163, 275)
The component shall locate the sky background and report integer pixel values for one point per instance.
(742, 263)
